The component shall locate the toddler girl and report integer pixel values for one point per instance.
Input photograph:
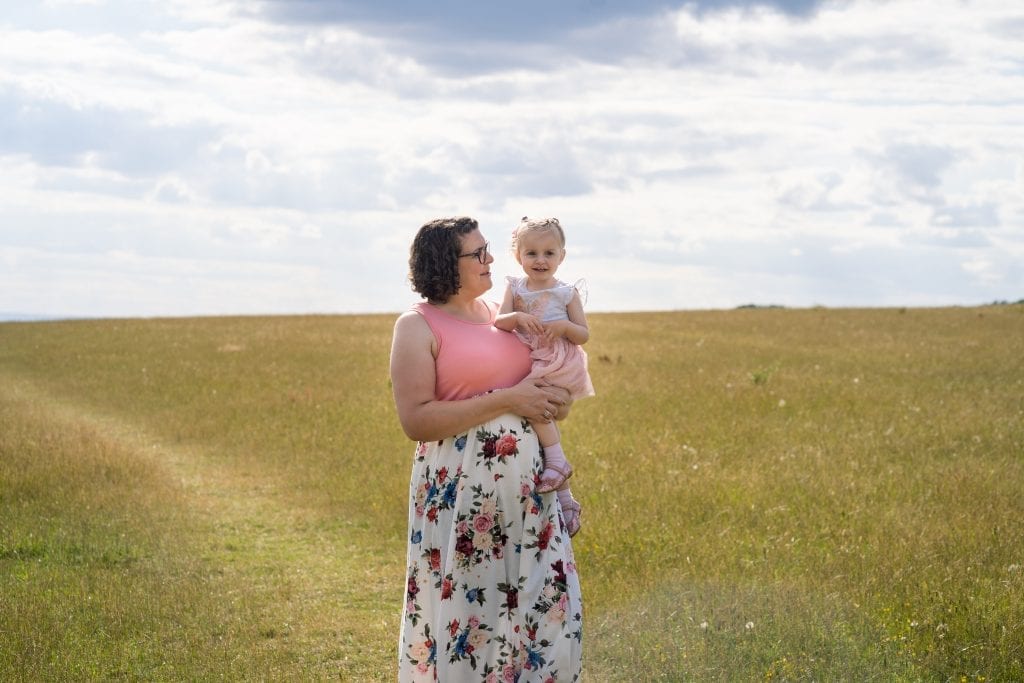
(548, 315)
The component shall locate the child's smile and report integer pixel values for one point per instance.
(540, 254)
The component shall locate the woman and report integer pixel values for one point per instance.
(491, 587)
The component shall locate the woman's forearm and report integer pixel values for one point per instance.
(432, 420)
(435, 420)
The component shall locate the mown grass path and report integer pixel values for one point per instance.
(235, 577)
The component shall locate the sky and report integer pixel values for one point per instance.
(196, 157)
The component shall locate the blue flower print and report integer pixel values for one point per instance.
(417, 536)
(461, 642)
(460, 443)
(449, 493)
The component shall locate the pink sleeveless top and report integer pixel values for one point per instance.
(473, 358)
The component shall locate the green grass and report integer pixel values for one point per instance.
(768, 495)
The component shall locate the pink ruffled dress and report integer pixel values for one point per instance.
(561, 363)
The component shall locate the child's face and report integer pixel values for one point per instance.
(540, 254)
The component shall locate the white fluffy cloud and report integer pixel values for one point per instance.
(205, 157)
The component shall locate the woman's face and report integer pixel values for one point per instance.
(474, 276)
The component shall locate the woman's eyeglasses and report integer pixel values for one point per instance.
(480, 254)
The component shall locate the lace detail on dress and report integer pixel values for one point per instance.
(547, 304)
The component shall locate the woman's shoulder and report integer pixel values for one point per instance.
(412, 319)
(417, 313)
(412, 332)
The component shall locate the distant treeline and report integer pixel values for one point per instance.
(998, 302)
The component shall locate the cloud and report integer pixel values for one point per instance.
(698, 154)
(919, 166)
(458, 38)
(532, 18)
(129, 143)
(125, 283)
(974, 216)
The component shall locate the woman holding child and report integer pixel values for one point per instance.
(492, 592)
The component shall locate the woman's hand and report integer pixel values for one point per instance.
(565, 406)
(536, 400)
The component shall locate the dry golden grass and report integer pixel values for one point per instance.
(769, 494)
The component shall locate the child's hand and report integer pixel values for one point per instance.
(554, 330)
(530, 324)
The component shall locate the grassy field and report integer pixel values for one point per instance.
(768, 495)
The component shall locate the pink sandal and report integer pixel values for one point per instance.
(552, 483)
(571, 517)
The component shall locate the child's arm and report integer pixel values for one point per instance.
(575, 328)
(505, 321)
(508, 319)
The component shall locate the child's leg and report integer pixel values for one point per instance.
(547, 433)
(570, 509)
(556, 468)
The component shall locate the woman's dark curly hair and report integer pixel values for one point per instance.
(434, 257)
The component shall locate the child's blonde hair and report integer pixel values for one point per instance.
(531, 225)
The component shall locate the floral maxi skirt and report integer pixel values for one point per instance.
(492, 592)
